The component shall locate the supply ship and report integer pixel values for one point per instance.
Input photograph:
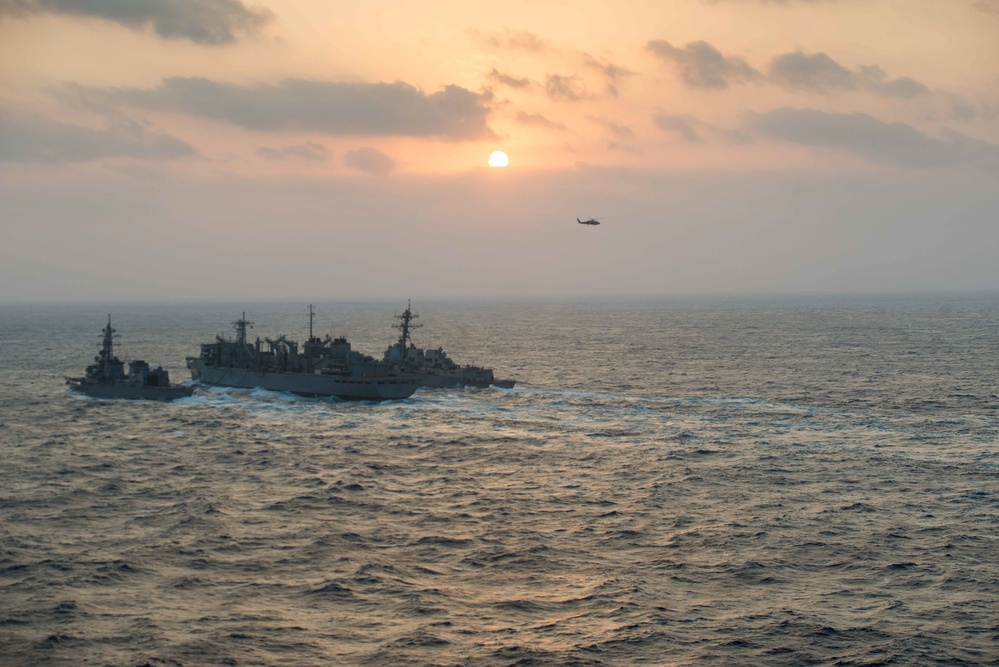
(322, 367)
(106, 377)
(434, 368)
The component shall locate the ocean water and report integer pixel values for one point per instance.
(806, 481)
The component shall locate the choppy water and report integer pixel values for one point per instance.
(783, 482)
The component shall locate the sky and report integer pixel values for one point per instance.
(307, 149)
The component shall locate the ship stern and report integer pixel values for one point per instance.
(195, 364)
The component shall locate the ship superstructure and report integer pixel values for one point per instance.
(434, 368)
(106, 377)
(319, 367)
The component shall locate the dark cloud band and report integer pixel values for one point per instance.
(873, 139)
(703, 66)
(355, 109)
(817, 71)
(311, 152)
(33, 138)
(370, 161)
(213, 23)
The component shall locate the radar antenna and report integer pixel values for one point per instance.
(241, 325)
(406, 325)
(107, 345)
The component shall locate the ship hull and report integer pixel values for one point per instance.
(130, 392)
(305, 384)
(445, 380)
(434, 368)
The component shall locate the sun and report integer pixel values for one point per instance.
(498, 159)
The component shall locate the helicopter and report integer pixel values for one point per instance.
(592, 221)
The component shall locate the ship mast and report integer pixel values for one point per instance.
(107, 347)
(314, 348)
(241, 325)
(406, 325)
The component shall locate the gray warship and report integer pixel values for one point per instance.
(434, 368)
(106, 377)
(323, 367)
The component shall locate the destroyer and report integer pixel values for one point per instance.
(323, 367)
(433, 367)
(106, 377)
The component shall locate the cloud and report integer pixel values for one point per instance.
(875, 140)
(371, 161)
(512, 40)
(623, 148)
(683, 125)
(817, 71)
(25, 138)
(608, 69)
(618, 130)
(16, 8)
(539, 120)
(690, 129)
(613, 73)
(312, 152)
(874, 78)
(735, 137)
(212, 23)
(357, 109)
(507, 80)
(775, 2)
(703, 66)
(565, 88)
(960, 110)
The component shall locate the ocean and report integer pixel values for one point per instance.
(744, 481)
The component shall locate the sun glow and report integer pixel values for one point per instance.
(498, 159)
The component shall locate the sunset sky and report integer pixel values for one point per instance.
(307, 149)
